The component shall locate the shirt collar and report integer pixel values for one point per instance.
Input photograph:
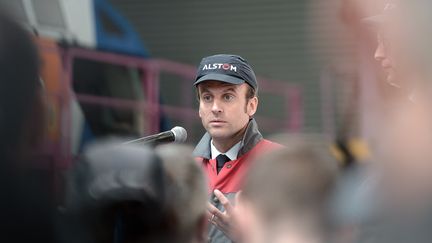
(251, 138)
(231, 153)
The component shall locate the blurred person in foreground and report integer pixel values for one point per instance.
(227, 91)
(404, 35)
(191, 191)
(129, 194)
(26, 203)
(285, 196)
(399, 194)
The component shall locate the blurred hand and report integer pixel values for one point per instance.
(226, 221)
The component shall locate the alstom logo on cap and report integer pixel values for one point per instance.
(224, 66)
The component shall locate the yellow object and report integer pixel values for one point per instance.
(357, 147)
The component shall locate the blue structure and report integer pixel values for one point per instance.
(114, 33)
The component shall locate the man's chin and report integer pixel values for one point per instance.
(393, 82)
(218, 134)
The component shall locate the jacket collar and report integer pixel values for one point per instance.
(251, 137)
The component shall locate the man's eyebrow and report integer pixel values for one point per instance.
(205, 90)
(230, 89)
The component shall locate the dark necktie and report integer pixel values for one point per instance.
(221, 159)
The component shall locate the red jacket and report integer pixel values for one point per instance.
(230, 178)
(231, 175)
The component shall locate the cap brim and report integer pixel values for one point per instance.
(374, 20)
(220, 77)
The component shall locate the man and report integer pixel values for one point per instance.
(227, 93)
(285, 199)
(399, 192)
(401, 31)
(131, 194)
(383, 51)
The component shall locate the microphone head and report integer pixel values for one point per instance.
(180, 134)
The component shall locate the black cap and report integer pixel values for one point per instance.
(226, 68)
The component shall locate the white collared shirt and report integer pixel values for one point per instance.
(231, 153)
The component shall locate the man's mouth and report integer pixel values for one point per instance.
(217, 122)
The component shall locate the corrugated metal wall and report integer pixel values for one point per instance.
(274, 35)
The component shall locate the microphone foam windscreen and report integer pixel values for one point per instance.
(180, 134)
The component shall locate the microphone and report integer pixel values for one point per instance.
(177, 134)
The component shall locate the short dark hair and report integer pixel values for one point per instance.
(251, 92)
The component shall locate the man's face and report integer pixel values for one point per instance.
(394, 52)
(224, 109)
(384, 57)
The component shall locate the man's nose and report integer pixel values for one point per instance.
(216, 107)
(380, 53)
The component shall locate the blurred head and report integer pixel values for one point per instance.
(227, 93)
(20, 121)
(285, 195)
(191, 191)
(403, 43)
(388, 52)
(125, 193)
(19, 86)
(404, 146)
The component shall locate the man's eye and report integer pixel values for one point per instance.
(228, 97)
(206, 98)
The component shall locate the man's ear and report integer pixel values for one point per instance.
(252, 106)
(199, 100)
